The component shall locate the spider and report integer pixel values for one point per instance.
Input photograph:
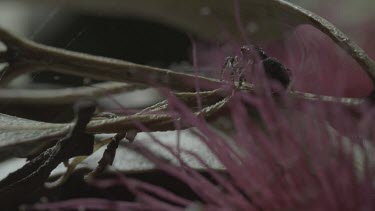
(273, 68)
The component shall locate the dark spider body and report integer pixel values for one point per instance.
(274, 69)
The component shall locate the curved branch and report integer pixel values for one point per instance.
(341, 39)
(63, 96)
(70, 95)
(41, 57)
(154, 122)
(327, 99)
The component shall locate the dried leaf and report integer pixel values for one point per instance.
(16, 132)
(35, 173)
(20, 136)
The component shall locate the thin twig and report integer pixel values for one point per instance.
(70, 95)
(108, 156)
(328, 99)
(65, 95)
